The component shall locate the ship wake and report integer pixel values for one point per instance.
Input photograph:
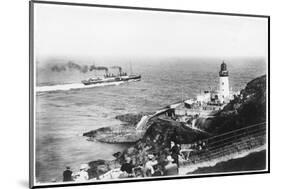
(72, 86)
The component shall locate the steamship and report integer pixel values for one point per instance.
(110, 78)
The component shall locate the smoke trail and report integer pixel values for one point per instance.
(57, 68)
(73, 66)
(93, 67)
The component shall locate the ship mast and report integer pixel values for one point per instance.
(95, 71)
(181, 94)
(131, 70)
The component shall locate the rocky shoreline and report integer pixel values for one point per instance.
(245, 109)
(156, 140)
(122, 134)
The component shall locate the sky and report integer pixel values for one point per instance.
(73, 31)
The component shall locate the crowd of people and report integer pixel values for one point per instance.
(147, 164)
(151, 168)
(140, 162)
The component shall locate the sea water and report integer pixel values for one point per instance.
(65, 108)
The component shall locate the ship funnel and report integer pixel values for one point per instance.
(117, 67)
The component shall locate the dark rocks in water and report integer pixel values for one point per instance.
(245, 109)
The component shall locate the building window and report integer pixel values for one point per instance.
(222, 83)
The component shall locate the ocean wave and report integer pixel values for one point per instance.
(66, 87)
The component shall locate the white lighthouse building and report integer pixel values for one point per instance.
(221, 96)
(224, 93)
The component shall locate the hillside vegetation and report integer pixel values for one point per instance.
(245, 109)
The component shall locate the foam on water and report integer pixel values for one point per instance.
(66, 87)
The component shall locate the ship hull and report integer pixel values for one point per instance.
(133, 77)
(113, 80)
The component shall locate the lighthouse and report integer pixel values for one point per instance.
(224, 84)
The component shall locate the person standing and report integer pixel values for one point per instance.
(149, 170)
(67, 175)
(175, 150)
(127, 167)
(171, 168)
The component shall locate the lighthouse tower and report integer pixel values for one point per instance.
(224, 84)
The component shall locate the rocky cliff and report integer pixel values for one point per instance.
(247, 108)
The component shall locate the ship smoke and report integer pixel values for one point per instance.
(81, 68)
(93, 67)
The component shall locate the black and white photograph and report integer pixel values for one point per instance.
(137, 94)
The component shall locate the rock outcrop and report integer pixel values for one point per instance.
(124, 133)
(247, 108)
